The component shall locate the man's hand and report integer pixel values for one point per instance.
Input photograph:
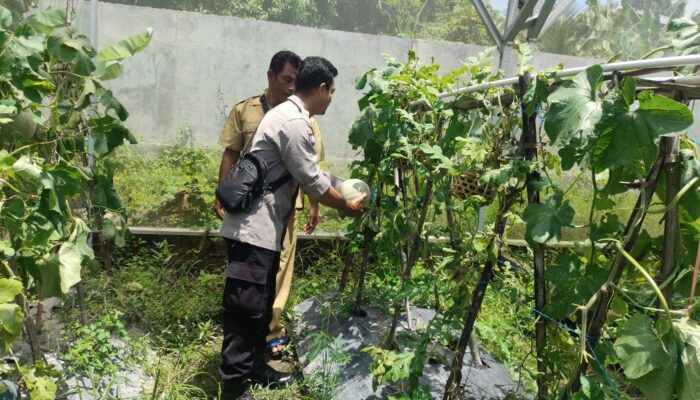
(313, 217)
(219, 209)
(333, 199)
(354, 207)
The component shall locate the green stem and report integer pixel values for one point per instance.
(649, 279)
(10, 186)
(578, 177)
(636, 304)
(31, 145)
(656, 50)
(677, 198)
(591, 214)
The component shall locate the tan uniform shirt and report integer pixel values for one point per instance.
(240, 127)
(286, 141)
(244, 118)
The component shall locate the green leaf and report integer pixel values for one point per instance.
(68, 46)
(609, 226)
(544, 220)
(39, 387)
(688, 377)
(660, 383)
(11, 319)
(574, 107)
(109, 230)
(361, 82)
(628, 138)
(362, 129)
(49, 274)
(571, 283)
(9, 288)
(5, 17)
(111, 103)
(109, 134)
(26, 168)
(105, 196)
(686, 35)
(639, 349)
(80, 236)
(69, 258)
(47, 20)
(109, 59)
(6, 249)
(691, 169)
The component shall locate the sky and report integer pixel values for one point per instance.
(693, 5)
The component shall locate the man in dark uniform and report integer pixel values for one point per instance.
(285, 140)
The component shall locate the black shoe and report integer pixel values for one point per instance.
(265, 375)
(236, 389)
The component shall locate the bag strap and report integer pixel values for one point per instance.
(279, 182)
(261, 166)
(266, 108)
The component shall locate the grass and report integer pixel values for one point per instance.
(175, 186)
(171, 303)
(183, 325)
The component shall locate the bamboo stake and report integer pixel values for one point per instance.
(603, 298)
(529, 149)
(671, 223)
(406, 273)
(367, 246)
(455, 240)
(452, 388)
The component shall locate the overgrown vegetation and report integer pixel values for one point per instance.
(416, 146)
(174, 186)
(59, 123)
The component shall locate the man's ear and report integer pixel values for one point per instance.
(270, 75)
(322, 87)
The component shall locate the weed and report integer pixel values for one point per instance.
(99, 349)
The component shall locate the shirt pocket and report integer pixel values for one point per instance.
(248, 131)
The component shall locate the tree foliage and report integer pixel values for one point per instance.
(627, 29)
(453, 20)
(53, 104)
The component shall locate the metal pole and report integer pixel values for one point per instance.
(488, 22)
(505, 62)
(664, 62)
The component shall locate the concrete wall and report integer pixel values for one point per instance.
(198, 66)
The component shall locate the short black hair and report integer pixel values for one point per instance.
(313, 71)
(283, 57)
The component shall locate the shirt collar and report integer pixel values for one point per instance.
(297, 101)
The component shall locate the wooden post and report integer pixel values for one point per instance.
(367, 247)
(529, 149)
(452, 388)
(632, 229)
(455, 241)
(406, 272)
(671, 224)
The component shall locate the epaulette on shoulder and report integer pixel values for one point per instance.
(242, 102)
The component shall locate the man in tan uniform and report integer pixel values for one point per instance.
(236, 138)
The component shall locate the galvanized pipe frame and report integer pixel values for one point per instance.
(675, 61)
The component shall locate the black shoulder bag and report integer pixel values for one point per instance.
(246, 182)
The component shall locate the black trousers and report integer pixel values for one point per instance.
(248, 297)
